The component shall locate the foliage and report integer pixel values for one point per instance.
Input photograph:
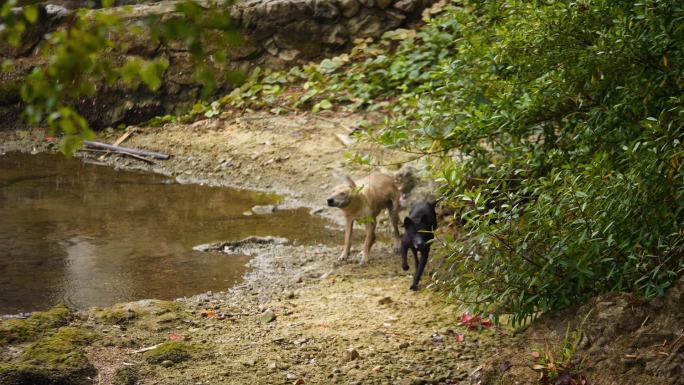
(562, 367)
(77, 57)
(556, 129)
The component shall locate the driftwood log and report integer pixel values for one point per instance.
(125, 150)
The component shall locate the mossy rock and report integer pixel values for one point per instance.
(39, 324)
(22, 374)
(126, 376)
(149, 313)
(56, 360)
(175, 351)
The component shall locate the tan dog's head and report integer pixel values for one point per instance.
(341, 195)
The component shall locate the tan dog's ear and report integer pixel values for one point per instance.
(350, 181)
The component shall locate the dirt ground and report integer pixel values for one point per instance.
(299, 316)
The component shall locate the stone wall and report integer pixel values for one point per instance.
(278, 34)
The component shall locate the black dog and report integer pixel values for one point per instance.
(418, 234)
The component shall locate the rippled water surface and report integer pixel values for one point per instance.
(89, 235)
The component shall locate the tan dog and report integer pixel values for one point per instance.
(364, 200)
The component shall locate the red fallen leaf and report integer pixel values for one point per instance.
(460, 337)
(175, 337)
(474, 322)
(299, 381)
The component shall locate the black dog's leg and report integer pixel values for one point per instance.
(420, 267)
(404, 259)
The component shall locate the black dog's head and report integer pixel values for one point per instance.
(419, 226)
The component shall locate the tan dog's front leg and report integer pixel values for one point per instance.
(370, 239)
(348, 227)
(394, 218)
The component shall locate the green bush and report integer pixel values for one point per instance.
(557, 130)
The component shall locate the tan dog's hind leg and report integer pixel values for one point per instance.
(348, 227)
(370, 239)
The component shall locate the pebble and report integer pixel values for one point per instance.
(351, 354)
(264, 209)
(167, 363)
(268, 316)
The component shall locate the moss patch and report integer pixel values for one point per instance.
(126, 376)
(62, 350)
(116, 315)
(149, 314)
(56, 359)
(171, 351)
(39, 324)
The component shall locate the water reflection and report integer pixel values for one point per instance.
(92, 236)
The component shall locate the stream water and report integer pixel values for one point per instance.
(89, 235)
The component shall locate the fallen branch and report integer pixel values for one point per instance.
(123, 138)
(143, 350)
(125, 150)
(105, 152)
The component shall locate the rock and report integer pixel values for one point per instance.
(289, 294)
(249, 362)
(407, 6)
(56, 12)
(351, 354)
(297, 36)
(403, 345)
(56, 359)
(268, 316)
(325, 9)
(249, 49)
(365, 25)
(291, 376)
(349, 7)
(393, 19)
(264, 209)
(436, 338)
(337, 35)
(126, 376)
(173, 352)
(382, 4)
(287, 55)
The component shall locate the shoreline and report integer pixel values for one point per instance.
(298, 316)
